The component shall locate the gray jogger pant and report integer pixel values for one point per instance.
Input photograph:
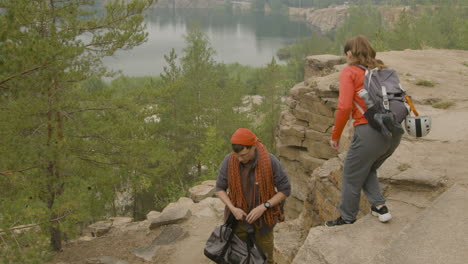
(369, 149)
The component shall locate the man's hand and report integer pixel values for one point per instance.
(335, 144)
(256, 213)
(238, 213)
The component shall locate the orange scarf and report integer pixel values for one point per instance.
(266, 187)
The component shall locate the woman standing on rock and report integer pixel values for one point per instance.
(369, 148)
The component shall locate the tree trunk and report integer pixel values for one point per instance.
(55, 235)
(54, 186)
(114, 196)
(199, 169)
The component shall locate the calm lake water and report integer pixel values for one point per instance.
(250, 39)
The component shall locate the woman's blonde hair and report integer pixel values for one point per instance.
(362, 53)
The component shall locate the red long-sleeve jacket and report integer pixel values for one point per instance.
(351, 81)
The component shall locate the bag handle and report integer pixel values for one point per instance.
(230, 222)
(250, 229)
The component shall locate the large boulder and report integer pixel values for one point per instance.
(320, 65)
(120, 221)
(209, 207)
(100, 228)
(173, 213)
(289, 237)
(202, 191)
(152, 215)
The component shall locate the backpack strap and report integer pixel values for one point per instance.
(359, 107)
(362, 67)
(367, 72)
(386, 103)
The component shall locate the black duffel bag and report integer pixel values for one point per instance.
(225, 247)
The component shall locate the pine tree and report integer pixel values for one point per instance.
(198, 100)
(47, 47)
(271, 89)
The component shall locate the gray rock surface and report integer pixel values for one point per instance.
(202, 191)
(100, 228)
(305, 129)
(438, 235)
(320, 65)
(171, 216)
(170, 234)
(105, 260)
(182, 203)
(120, 221)
(418, 178)
(357, 243)
(209, 207)
(292, 235)
(152, 215)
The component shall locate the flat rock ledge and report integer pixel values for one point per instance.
(171, 216)
(169, 235)
(205, 190)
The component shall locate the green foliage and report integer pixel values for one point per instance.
(258, 6)
(273, 85)
(300, 50)
(196, 102)
(52, 149)
(243, 74)
(425, 83)
(363, 19)
(404, 166)
(436, 24)
(24, 246)
(278, 8)
(443, 105)
(402, 35)
(211, 151)
(228, 7)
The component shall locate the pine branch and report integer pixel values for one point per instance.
(93, 109)
(96, 136)
(20, 74)
(11, 172)
(101, 162)
(32, 225)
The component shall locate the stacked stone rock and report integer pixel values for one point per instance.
(314, 168)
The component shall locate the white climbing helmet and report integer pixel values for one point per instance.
(418, 126)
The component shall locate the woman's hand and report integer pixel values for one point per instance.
(335, 144)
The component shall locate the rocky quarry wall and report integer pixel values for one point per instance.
(315, 170)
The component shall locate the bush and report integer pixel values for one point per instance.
(443, 105)
(425, 83)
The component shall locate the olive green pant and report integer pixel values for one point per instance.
(265, 242)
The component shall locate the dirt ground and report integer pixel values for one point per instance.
(443, 151)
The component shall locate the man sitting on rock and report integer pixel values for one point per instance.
(251, 174)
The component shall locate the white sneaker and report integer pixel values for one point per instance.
(383, 213)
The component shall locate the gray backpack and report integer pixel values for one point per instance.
(385, 101)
